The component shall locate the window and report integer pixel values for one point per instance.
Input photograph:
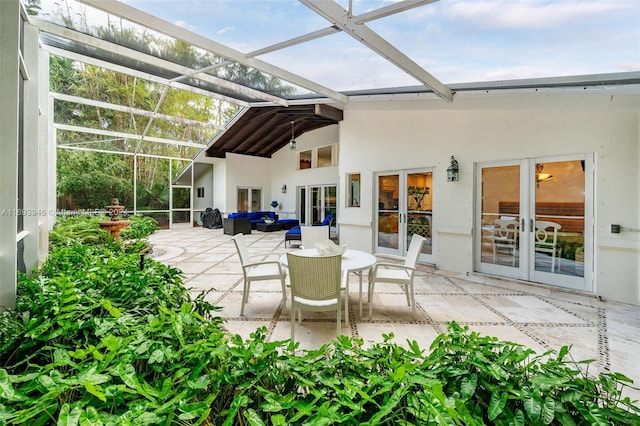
(324, 156)
(304, 160)
(200, 192)
(249, 199)
(353, 190)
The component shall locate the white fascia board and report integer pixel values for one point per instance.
(57, 30)
(153, 22)
(334, 13)
(124, 135)
(131, 110)
(124, 70)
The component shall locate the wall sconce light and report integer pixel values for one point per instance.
(452, 171)
(292, 142)
(284, 189)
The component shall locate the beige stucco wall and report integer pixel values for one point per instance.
(391, 135)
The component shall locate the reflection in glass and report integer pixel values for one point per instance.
(243, 199)
(559, 218)
(304, 159)
(388, 214)
(353, 190)
(501, 215)
(256, 200)
(419, 208)
(330, 203)
(324, 156)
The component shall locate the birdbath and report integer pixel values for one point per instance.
(115, 225)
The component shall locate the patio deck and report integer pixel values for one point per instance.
(540, 317)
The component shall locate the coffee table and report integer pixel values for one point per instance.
(268, 227)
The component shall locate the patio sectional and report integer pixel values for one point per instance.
(245, 222)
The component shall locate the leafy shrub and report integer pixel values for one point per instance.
(77, 230)
(71, 230)
(95, 340)
(141, 226)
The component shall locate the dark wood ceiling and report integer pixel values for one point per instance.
(261, 131)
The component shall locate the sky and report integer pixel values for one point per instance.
(457, 41)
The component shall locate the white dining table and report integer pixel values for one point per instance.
(354, 261)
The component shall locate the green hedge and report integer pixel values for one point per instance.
(94, 340)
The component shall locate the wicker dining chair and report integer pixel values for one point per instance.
(316, 285)
(257, 271)
(401, 274)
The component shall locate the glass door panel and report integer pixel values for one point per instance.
(323, 202)
(558, 241)
(316, 204)
(388, 232)
(535, 220)
(405, 203)
(419, 198)
(500, 218)
(243, 200)
(256, 200)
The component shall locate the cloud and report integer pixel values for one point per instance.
(530, 14)
(225, 30)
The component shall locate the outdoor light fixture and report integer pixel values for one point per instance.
(292, 142)
(452, 171)
(284, 189)
(540, 176)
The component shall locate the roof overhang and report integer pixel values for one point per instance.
(263, 131)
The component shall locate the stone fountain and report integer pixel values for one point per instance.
(115, 225)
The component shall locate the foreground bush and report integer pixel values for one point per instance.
(94, 340)
(86, 230)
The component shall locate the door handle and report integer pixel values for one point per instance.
(530, 225)
(522, 226)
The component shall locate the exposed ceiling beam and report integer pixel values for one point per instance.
(360, 19)
(116, 49)
(334, 13)
(153, 22)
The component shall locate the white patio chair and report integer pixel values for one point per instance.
(257, 271)
(398, 273)
(316, 285)
(546, 234)
(312, 235)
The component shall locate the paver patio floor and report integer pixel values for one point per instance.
(541, 317)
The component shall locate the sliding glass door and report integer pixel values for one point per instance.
(404, 208)
(534, 220)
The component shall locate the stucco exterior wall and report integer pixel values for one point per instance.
(284, 169)
(382, 136)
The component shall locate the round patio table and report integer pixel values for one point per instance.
(354, 261)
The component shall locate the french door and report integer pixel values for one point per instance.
(534, 220)
(321, 202)
(404, 207)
